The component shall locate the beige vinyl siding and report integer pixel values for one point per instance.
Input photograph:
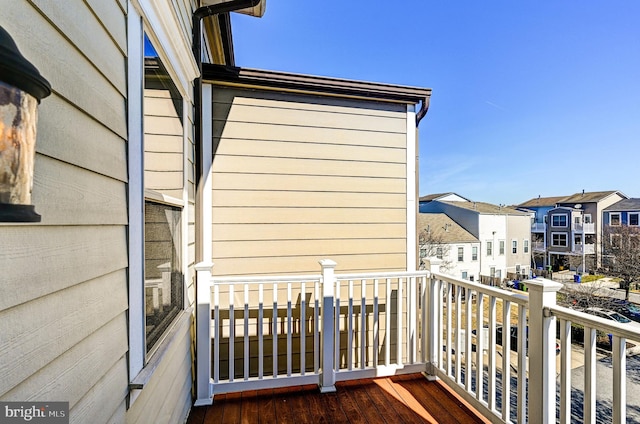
(298, 178)
(64, 285)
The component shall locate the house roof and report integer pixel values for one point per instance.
(437, 196)
(444, 227)
(593, 196)
(541, 201)
(625, 205)
(487, 208)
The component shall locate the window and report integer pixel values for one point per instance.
(633, 219)
(464, 275)
(501, 251)
(423, 252)
(559, 239)
(514, 246)
(525, 246)
(489, 248)
(614, 218)
(163, 141)
(587, 218)
(616, 241)
(460, 254)
(558, 220)
(492, 271)
(439, 252)
(474, 253)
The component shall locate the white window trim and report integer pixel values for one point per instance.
(142, 364)
(560, 245)
(458, 253)
(619, 215)
(629, 219)
(514, 246)
(559, 215)
(525, 246)
(502, 247)
(489, 243)
(476, 255)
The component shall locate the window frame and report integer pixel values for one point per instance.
(474, 253)
(618, 215)
(502, 247)
(514, 247)
(561, 217)
(637, 218)
(489, 248)
(460, 253)
(566, 239)
(525, 245)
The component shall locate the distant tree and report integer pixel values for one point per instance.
(621, 254)
(432, 245)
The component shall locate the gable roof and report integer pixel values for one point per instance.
(625, 205)
(541, 201)
(439, 196)
(442, 226)
(593, 196)
(487, 208)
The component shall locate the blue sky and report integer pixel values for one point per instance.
(529, 98)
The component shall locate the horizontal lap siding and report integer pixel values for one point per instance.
(63, 290)
(300, 178)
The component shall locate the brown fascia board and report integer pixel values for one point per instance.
(313, 84)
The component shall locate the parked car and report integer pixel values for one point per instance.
(513, 332)
(613, 316)
(628, 309)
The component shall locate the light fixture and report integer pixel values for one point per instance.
(21, 89)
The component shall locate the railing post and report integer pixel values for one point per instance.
(541, 350)
(203, 334)
(327, 377)
(432, 324)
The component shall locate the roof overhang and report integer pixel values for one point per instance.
(257, 11)
(309, 84)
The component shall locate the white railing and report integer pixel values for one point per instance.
(589, 227)
(538, 227)
(538, 245)
(591, 326)
(264, 332)
(588, 248)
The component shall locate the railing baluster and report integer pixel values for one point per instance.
(316, 328)
(468, 367)
(399, 325)
(337, 320)
(350, 326)
(506, 361)
(363, 323)
(412, 304)
(438, 323)
(232, 332)
(302, 328)
(479, 345)
(216, 333)
(289, 332)
(522, 363)
(387, 328)
(376, 322)
(565, 371)
(457, 334)
(260, 331)
(449, 343)
(619, 359)
(423, 317)
(246, 331)
(274, 338)
(491, 352)
(589, 375)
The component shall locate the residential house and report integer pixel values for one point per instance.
(539, 208)
(143, 170)
(574, 230)
(504, 234)
(443, 241)
(451, 197)
(620, 220)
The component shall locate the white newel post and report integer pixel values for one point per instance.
(542, 352)
(203, 334)
(328, 377)
(431, 324)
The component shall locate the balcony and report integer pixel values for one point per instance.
(589, 248)
(337, 332)
(589, 228)
(538, 227)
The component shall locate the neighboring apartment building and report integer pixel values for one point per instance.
(139, 175)
(621, 224)
(504, 234)
(573, 230)
(445, 242)
(539, 208)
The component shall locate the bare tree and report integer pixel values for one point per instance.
(432, 245)
(621, 254)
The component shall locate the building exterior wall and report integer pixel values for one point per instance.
(298, 178)
(518, 230)
(65, 296)
(493, 228)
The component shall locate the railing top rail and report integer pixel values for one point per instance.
(382, 275)
(520, 298)
(266, 279)
(582, 318)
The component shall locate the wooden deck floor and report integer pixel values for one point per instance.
(400, 399)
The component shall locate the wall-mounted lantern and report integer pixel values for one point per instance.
(21, 89)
